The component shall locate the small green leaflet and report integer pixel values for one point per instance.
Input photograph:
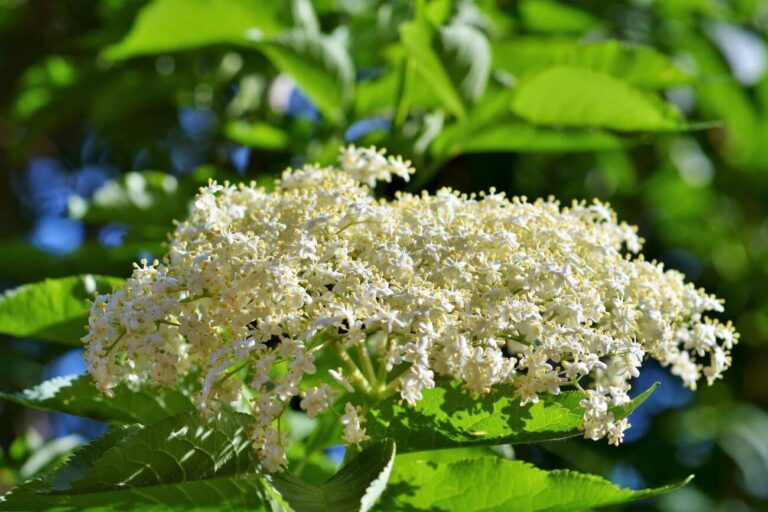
(356, 487)
(54, 309)
(493, 484)
(448, 416)
(78, 396)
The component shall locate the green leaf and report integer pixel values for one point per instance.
(77, 395)
(550, 16)
(320, 64)
(356, 487)
(180, 463)
(174, 25)
(638, 65)
(568, 96)
(466, 55)
(497, 484)
(454, 61)
(521, 137)
(449, 416)
(54, 309)
(257, 135)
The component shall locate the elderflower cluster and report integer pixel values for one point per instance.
(481, 289)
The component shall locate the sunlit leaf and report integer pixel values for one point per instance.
(54, 309)
(568, 96)
(495, 484)
(639, 65)
(450, 416)
(172, 25)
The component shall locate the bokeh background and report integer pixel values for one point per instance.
(113, 112)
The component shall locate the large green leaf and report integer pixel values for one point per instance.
(449, 416)
(320, 64)
(639, 65)
(54, 309)
(454, 61)
(495, 484)
(570, 96)
(180, 463)
(174, 25)
(79, 396)
(355, 488)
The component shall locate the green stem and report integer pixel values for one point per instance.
(402, 97)
(390, 389)
(114, 343)
(365, 360)
(354, 372)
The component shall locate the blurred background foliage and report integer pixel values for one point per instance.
(113, 112)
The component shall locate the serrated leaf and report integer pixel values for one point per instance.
(77, 395)
(174, 25)
(54, 309)
(180, 463)
(320, 64)
(497, 484)
(454, 61)
(569, 96)
(449, 416)
(355, 488)
(638, 65)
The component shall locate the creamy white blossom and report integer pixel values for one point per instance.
(481, 289)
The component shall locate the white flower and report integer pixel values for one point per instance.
(616, 431)
(318, 399)
(353, 432)
(480, 289)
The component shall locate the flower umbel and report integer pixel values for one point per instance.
(480, 289)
